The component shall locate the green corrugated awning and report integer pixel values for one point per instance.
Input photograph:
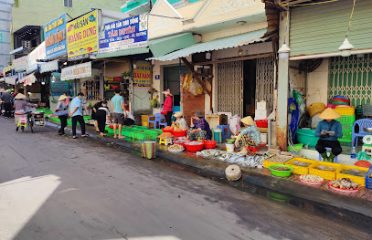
(163, 46)
(123, 53)
(229, 42)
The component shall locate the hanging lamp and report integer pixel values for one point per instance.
(346, 47)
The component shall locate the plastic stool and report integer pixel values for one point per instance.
(225, 129)
(328, 150)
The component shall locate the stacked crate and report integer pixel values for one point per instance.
(347, 120)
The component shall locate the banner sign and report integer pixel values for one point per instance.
(59, 88)
(20, 64)
(83, 70)
(49, 66)
(124, 34)
(82, 35)
(142, 74)
(55, 37)
(37, 54)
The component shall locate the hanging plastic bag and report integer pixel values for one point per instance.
(235, 124)
(195, 88)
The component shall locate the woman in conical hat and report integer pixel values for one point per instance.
(251, 133)
(328, 131)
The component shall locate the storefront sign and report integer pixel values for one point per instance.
(82, 35)
(37, 54)
(142, 74)
(83, 70)
(49, 66)
(20, 64)
(55, 37)
(124, 34)
(28, 80)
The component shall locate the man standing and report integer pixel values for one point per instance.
(76, 112)
(118, 113)
(7, 100)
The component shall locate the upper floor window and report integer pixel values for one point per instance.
(67, 3)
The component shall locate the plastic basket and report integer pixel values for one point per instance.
(307, 137)
(347, 123)
(345, 110)
(315, 108)
(359, 180)
(328, 175)
(299, 169)
(268, 162)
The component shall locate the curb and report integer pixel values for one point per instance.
(353, 210)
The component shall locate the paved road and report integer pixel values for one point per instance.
(54, 188)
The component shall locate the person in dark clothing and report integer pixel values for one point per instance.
(7, 100)
(94, 114)
(328, 131)
(101, 116)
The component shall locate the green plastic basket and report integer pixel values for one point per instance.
(279, 173)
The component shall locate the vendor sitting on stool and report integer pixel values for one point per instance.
(249, 135)
(328, 131)
(200, 129)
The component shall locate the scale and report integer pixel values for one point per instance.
(367, 145)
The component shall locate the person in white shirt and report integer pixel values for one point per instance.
(180, 121)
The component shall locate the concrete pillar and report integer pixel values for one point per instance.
(283, 85)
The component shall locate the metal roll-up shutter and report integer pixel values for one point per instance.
(230, 87)
(265, 82)
(320, 29)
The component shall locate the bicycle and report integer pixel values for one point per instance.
(25, 121)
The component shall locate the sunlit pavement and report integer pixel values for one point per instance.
(54, 188)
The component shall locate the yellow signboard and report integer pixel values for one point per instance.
(142, 74)
(82, 35)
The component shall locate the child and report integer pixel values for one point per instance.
(101, 115)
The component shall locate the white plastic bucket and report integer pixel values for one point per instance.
(230, 147)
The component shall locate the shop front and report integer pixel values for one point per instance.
(331, 75)
(86, 78)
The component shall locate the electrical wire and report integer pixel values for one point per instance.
(350, 18)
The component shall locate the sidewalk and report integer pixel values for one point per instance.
(259, 181)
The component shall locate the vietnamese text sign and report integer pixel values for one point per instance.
(142, 73)
(82, 35)
(83, 70)
(127, 33)
(55, 37)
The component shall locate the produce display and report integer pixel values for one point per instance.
(311, 180)
(300, 163)
(344, 184)
(325, 168)
(240, 159)
(176, 148)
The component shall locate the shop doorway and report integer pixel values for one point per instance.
(172, 81)
(249, 87)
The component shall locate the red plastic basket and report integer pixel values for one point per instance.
(179, 133)
(168, 130)
(210, 144)
(262, 123)
(194, 147)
